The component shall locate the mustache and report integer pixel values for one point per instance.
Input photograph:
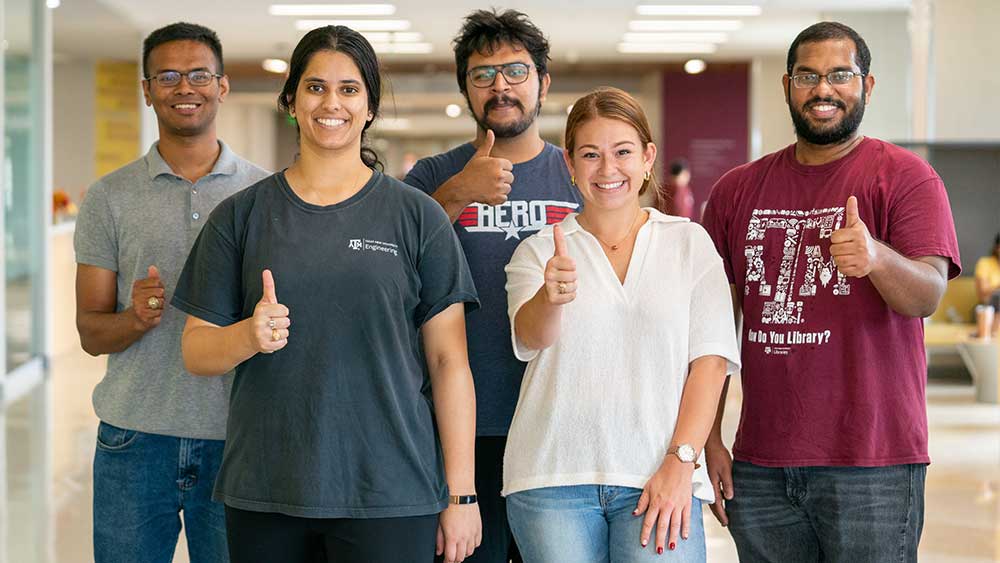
(828, 101)
(492, 102)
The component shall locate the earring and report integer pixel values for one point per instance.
(646, 177)
(572, 180)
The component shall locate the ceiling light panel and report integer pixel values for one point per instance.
(684, 25)
(676, 37)
(666, 48)
(696, 10)
(356, 25)
(332, 9)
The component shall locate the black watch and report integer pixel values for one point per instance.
(462, 499)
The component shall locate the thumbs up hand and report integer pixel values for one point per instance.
(852, 247)
(560, 272)
(485, 179)
(148, 299)
(270, 322)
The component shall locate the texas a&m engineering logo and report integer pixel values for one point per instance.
(514, 217)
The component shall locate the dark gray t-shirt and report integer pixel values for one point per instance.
(339, 423)
(540, 195)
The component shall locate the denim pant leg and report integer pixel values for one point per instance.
(136, 502)
(867, 514)
(559, 524)
(626, 530)
(766, 516)
(204, 519)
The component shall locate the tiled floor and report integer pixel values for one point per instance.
(50, 442)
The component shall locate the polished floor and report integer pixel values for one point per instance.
(50, 442)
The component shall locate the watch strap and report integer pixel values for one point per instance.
(462, 499)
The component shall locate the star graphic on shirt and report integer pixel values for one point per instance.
(511, 231)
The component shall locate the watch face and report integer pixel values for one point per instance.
(686, 453)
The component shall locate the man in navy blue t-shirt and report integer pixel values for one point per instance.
(498, 190)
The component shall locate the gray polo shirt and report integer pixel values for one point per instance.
(140, 215)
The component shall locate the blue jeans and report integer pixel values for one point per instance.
(141, 484)
(807, 514)
(592, 524)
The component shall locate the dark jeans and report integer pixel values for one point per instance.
(141, 484)
(256, 537)
(828, 514)
(498, 543)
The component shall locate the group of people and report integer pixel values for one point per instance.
(504, 356)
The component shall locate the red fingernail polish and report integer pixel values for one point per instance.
(644, 542)
(672, 546)
(659, 551)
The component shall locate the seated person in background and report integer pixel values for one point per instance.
(988, 277)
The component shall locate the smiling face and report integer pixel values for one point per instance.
(183, 109)
(827, 114)
(331, 104)
(507, 109)
(609, 163)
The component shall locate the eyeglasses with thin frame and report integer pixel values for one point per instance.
(485, 76)
(835, 78)
(169, 78)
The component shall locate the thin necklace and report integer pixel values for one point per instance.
(614, 247)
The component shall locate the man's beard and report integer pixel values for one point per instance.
(838, 134)
(508, 130)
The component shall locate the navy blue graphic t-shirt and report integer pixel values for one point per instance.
(540, 195)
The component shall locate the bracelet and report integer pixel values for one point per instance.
(462, 499)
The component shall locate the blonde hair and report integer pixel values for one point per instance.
(612, 103)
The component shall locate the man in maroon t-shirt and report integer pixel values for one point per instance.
(835, 246)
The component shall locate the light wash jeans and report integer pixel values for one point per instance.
(592, 524)
(141, 484)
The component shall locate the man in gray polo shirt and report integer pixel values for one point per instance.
(160, 440)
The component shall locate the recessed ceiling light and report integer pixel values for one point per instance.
(356, 25)
(332, 9)
(684, 25)
(695, 66)
(694, 10)
(676, 37)
(453, 110)
(666, 48)
(277, 66)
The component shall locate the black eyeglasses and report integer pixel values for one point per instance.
(485, 76)
(835, 78)
(170, 78)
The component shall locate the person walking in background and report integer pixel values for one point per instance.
(160, 439)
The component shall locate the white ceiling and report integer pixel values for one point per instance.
(584, 30)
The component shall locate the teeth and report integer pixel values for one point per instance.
(186, 106)
(331, 122)
(825, 108)
(611, 186)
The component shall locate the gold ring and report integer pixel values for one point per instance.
(562, 287)
(153, 303)
(272, 324)
(275, 335)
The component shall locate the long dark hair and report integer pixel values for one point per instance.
(338, 39)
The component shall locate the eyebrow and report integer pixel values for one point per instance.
(806, 69)
(618, 144)
(322, 81)
(183, 71)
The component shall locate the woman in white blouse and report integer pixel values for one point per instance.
(625, 317)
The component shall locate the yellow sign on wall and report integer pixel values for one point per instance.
(116, 115)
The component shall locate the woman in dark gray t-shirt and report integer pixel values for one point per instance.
(338, 295)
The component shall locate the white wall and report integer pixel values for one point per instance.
(73, 126)
(248, 126)
(771, 126)
(965, 81)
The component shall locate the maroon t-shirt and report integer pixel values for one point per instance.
(831, 375)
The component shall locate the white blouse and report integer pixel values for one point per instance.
(600, 405)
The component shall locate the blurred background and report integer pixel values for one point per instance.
(708, 74)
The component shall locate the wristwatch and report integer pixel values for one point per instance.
(462, 499)
(686, 453)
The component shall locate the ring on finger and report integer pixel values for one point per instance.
(275, 335)
(562, 287)
(272, 324)
(153, 303)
